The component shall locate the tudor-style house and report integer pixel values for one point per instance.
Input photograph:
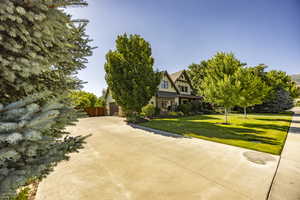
(173, 90)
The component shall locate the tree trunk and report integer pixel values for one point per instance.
(226, 113)
(245, 112)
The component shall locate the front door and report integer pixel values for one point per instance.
(165, 104)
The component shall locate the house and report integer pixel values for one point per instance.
(173, 90)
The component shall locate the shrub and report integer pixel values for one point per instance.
(134, 117)
(82, 99)
(185, 108)
(22, 195)
(197, 106)
(157, 111)
(148, 110)
(100, 102)
(177, 114)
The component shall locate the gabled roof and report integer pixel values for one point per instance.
(171, 80)
(176, 75)
(163, 73)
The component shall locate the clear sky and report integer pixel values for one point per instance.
(182, 32)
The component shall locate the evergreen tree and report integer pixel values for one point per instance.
(280, 80)
(221, 84)
(41, 50)
(280, 101)
(281, 92)
(129, 73)
(253, 89)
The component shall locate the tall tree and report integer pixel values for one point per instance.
(281, 91)
(280, 80)
(221, 84)
(129, 73)
(41, 50)
(197, 73)
(253, 89)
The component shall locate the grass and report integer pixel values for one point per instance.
(261, 132)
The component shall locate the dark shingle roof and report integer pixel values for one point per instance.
(175, 76)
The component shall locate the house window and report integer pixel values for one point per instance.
(164, 84)
(183, 89)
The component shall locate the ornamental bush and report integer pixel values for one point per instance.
(148, 110)
(175, 114)
(185, 108)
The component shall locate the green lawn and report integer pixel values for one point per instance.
(261, 132)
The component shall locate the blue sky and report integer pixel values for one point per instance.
(182, 32)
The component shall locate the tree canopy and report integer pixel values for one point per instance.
(197, 73)
(253, 89)
(280, 80)
(281, 91)
(222, 85)
(82, 99)
(223, 80)
(41, 50)
(129, 73)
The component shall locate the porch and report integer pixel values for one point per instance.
(183, 99)
(167, 101)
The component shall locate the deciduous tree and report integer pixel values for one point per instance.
(221, 84)
(129, 73)
(253, 89)
(197, 74)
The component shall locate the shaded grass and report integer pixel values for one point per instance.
(261, 132)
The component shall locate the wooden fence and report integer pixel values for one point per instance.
(97, 111)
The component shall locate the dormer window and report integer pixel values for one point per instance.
(164, 84)
(183, 89)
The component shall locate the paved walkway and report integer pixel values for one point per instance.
(121, 162)
(286, 184)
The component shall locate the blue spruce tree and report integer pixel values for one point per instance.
(41, 50)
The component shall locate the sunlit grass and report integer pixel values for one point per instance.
(261, 132)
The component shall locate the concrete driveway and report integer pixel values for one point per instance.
(286, 185)
(121, 162)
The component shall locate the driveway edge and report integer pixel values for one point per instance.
(286, 181)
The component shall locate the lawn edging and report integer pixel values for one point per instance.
(156, 131)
